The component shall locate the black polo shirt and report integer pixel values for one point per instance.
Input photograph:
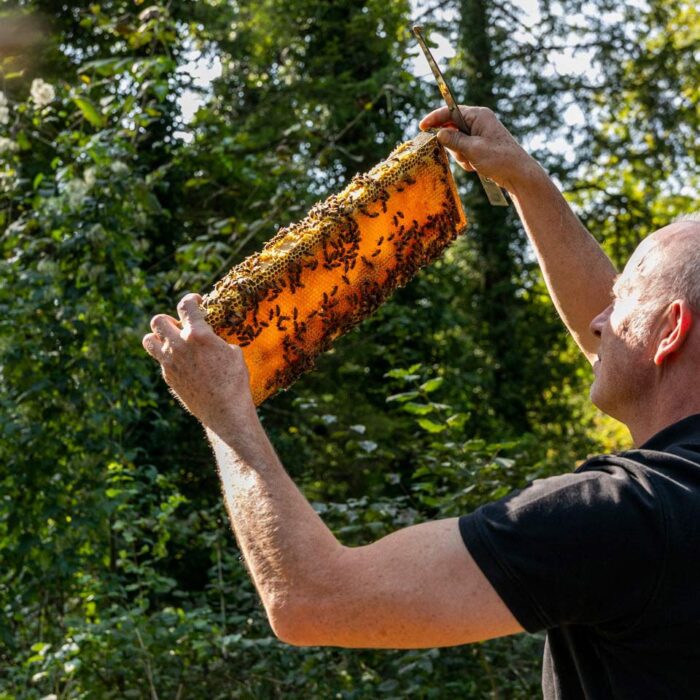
(607, 560)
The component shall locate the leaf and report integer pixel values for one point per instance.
(23, 141)
(504, 462)
(90, 111)
(196, 182)
(500, 492)
(457, 420)
(404, 396)
(106, 66)
(432, 384)
(431, 426)
(148, 201)
(403, 373)
(417, 409)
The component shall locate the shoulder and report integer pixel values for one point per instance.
(558, 547)
(602, 482)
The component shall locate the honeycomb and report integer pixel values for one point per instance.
(316, 279)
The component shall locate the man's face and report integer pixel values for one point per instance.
(625, 365)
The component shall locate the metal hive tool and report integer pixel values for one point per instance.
(316, 279)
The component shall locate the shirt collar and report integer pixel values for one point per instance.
(685, 431)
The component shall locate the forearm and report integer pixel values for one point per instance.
(288, 549)
(578, 273)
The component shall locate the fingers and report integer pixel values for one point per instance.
(192, 315)
(159, 344)
(154, 347)
(166, 327)
(459, 144)
(437, 118)
(170, 336)
(441, 117)
(454, 140)
(479, 120)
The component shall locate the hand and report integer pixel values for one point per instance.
(490, 150)
(206, 374)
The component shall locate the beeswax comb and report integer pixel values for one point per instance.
(316, 279)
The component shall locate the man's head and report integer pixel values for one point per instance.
(644, 333)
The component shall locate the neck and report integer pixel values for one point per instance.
(672, 400)
(642, 431)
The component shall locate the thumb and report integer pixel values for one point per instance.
(454, 140)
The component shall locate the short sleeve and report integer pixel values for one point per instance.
(582, 548)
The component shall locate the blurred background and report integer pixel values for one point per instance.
(144, 150)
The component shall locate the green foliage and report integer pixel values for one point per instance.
(643, 168)
(119, 576)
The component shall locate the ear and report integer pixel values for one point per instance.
(677, 324)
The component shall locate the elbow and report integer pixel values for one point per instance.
(282, 619)
(293, 623)
(311, 612)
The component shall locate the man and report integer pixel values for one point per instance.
(606, 559)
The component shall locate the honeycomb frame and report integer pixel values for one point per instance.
(316, 279)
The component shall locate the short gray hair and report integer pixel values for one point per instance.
(667, 277)
(692, 217)
(677, 276)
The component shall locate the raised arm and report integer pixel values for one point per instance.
(418, 587)
(577, 272)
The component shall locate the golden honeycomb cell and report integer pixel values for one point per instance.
(316, 279)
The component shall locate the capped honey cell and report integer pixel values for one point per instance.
(287, 303)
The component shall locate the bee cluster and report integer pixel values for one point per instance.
(316, 279)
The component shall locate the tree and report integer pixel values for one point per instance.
(120, 577)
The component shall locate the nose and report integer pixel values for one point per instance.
(599, 321)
